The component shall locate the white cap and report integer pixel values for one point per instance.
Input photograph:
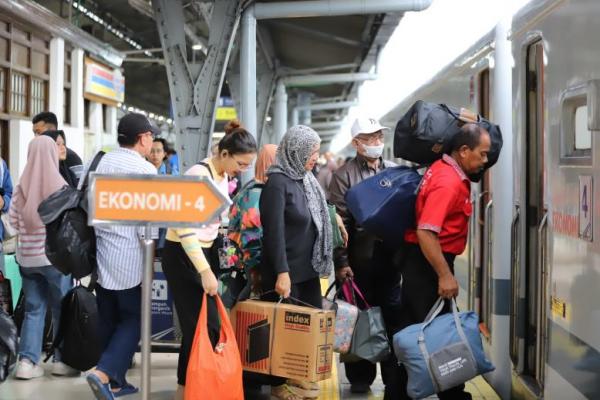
(366, 126)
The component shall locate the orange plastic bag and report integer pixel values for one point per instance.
(214, 374)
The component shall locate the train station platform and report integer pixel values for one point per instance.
(164, 368)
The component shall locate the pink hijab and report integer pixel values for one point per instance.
(39, 180)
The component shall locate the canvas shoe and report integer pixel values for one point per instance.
(62, 369)
(28, 370)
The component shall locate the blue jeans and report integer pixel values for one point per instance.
(120, 324)
(43, 287)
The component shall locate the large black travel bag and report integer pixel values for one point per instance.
(424, 133)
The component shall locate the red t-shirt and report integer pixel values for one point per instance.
(443, 205)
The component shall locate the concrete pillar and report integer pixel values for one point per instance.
(280, 113)
(77, 107)
(57, 78)
(304, 116)
(248, 78)
(96, 118)
(295, 117)
(111, 124)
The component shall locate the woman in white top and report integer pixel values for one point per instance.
(190, 258)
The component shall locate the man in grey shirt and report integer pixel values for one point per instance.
(120, 267)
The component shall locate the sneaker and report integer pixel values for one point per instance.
(62, 369)
(28, 370)
(308, 390)
(286, 392)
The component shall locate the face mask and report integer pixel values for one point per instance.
(373, 151)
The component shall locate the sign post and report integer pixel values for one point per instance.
(152, 201)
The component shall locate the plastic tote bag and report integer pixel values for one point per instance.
(441, 353)
(346, 315)
(214, 374)
(369, 341)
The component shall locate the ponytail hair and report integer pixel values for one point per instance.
(237, 140)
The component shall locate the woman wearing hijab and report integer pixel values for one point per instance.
(42, 283)
(69, 165)
(297, 237)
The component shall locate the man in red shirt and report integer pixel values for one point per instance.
(442, 209)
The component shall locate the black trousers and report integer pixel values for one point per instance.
(186, 286)
(378, 277)
(419, 293)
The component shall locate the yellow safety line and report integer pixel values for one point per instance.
(330, 388)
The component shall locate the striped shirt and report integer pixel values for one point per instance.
(119, 250)
(31, 250)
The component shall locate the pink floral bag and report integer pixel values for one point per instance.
(346, 316)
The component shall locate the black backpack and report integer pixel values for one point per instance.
(70, 241)
(424, 133)
(78, 332)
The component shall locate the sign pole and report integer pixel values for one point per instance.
(148, 246)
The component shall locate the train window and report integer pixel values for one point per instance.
(576, 137)
(583, 136)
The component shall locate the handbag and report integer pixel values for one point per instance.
(369, 340)
(346, 315)
(384, 204)
(337, 239)
(214, 374)
(441, 352)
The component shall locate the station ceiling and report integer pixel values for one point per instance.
(296, 46)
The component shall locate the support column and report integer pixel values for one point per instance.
(280, 112)
(77, 106)
(56, 97)
(96, 123)
(304, 100)
(248, 77)
(295, 117)
(111, 123)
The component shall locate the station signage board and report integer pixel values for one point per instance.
(154, 200)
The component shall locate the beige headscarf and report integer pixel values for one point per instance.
(39, 180)
(265, 158)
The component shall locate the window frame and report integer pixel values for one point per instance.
(570, 100)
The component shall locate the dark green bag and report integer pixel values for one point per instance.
(335, 229)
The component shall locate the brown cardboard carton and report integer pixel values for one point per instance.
(284, 340)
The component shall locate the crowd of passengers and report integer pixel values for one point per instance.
(279, 228)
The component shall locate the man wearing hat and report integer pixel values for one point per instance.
(359, 260)
(120, 266)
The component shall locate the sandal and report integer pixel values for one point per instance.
(308, 390)
(101, 390)
(286, 392)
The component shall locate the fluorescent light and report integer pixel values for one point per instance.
(197, 46)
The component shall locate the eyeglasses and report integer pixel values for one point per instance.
(371, 138)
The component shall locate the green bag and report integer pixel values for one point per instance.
(335, 229)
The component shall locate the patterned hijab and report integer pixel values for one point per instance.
(294, 151)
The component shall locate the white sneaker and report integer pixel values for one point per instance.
(28, 370)
(62, 369)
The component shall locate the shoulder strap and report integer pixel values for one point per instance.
(1, 173)
(205, 165)
(92, 168)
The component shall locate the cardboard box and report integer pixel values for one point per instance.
(284, 340)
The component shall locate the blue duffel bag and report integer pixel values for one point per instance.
(441, 353)
(384, 204)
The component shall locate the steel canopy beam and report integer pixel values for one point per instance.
(326, 79)
(195, 89)
(328, 106)
(329, 8)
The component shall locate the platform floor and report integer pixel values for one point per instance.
(164, 367)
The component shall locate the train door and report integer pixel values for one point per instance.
(532, 276)
(480, 278)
